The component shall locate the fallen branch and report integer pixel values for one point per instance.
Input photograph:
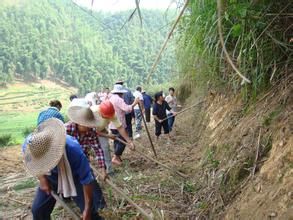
(184, 110)
(219, 9)
(142, 211)
(154, 160)
(256, 154)
(65, 206)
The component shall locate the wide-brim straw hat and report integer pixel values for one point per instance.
(79, 112)
(118, 89)
(45, 147)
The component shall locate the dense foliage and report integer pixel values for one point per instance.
(56, 39)
(257, 37)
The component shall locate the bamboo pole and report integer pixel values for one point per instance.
(166, 41)
(184, 110)
(154, 160)
(141, 210)
(147, 130)
(145, 156)
(65, 206)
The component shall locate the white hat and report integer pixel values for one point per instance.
(118, 89)
(80, 113)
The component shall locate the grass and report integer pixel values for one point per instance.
(26, 184)
(21, 103)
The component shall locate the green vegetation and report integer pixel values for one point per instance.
(256, 35)
(25, 184)
(21, 103)
(56, 39)
(5, 140)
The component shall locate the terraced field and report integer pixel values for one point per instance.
(21, 103)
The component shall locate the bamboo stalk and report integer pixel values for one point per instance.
(166, 41)
(147, 157)
(154, 160)
(184, 110)
(141, 210)
(65, 206)
(148, 132)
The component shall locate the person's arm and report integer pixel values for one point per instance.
(44, 184)
(88, 201)
(157, 119)
(124, 134)
(124, 107)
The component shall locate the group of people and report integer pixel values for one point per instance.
(59, 152)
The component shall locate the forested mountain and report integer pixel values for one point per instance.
(48, 38)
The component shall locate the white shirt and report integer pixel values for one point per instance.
(92, 98)
(137, 94)
(172, 102)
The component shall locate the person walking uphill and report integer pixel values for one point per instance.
(106, 114)
(147, 102)
(121, 108)
(159, 113)
(128, 99)
(61, 166)
(52, 112)
(138, 116)
(82, 127)
(172, 102)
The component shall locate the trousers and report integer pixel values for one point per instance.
(43, 204)
(118, 146)
(138, 120)
(107, 154)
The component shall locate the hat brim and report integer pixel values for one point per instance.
(118, 91)
(82, 116)
(40, 166)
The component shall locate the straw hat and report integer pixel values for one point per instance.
(118, 89)
(80, 113)
(45, 147)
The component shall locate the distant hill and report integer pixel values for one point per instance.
(48, 38)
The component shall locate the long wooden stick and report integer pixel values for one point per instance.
(148, 132)
(154, 160)
(166, 41)
(145, 156)
(141, 210)
(184, 110)
(65, 206)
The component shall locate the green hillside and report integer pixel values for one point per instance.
(48, 38)
(21, 103)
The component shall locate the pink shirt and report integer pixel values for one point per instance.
(120, 108)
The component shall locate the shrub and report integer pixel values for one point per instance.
(5, 140)
(27, 131)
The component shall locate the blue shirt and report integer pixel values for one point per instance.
(51, 112)
(128, 97)
(79, 164)
(147, 101)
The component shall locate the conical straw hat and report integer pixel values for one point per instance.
(45, 147)
(80, 113)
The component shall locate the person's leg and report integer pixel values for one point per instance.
(138, 119)
(148, 115)
(158, 128)
(42, 206)
(171, 121)
(128, 118)
(98, 200)
(118, 148)
(165, 125)
(107, 155)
